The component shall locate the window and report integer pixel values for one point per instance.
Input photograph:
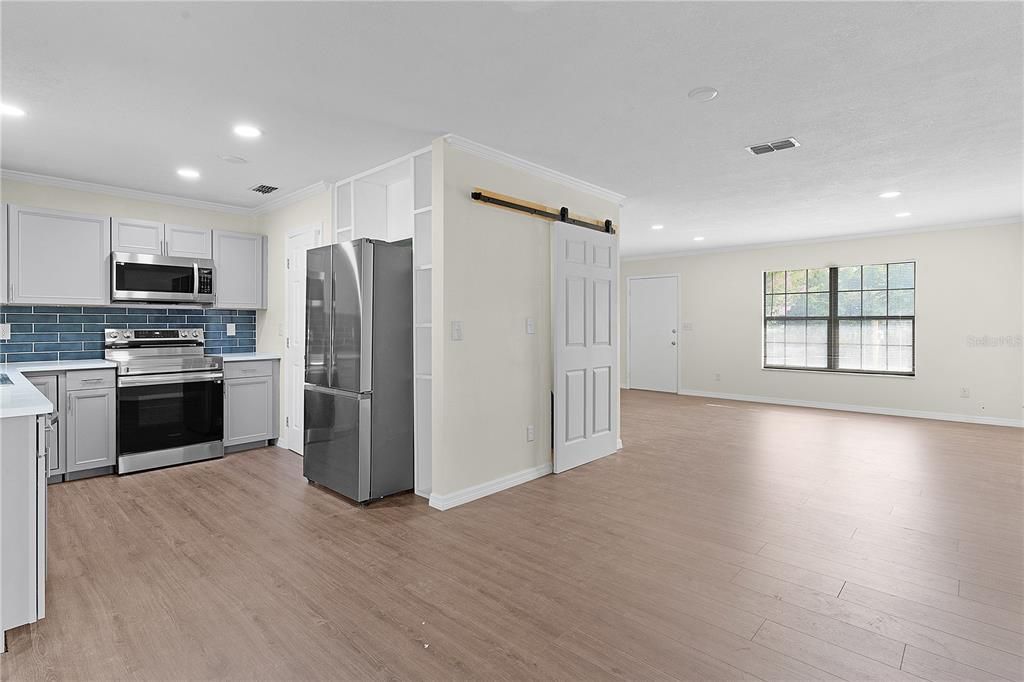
(845, 319)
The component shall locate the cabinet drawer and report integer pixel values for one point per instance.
(91, 378)
(249, 368)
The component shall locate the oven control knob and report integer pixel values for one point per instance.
(126, 334)
(183, 333)
(195, 333)
(112, 335)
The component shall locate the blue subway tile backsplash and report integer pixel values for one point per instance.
(46, 332)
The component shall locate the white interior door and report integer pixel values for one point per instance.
(299, 241)
(584, 311)
(654, 333)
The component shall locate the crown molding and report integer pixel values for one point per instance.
(759, 246)
(291, 198)
(123, 192)
(537, 170)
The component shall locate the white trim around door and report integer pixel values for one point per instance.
(296, 242)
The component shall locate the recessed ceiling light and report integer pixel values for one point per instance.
(889, 195)
(698, 239)
(11, 110)
(704, 93)
(190, 173)
(245, 130)
(904, 214)
(233, 159)
(657, 227)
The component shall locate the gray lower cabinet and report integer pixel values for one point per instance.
(91, 415)
(48, 386)
(250, 402)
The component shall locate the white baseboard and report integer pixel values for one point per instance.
(475, 492)
(868, 409)
(618, 444)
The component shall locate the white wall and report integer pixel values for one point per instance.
(491, 272)
(969, 284)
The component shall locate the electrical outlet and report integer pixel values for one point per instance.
(231, 329)
(530, 433)
(456, 330)
(531, 326)
(5, 332)
(965, 392)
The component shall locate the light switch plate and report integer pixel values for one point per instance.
(456, 330)
(231, 329)
(531, 326)
(5, 331)
(530, 433)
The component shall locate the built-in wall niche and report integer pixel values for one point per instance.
(378, 205)
(391, 203)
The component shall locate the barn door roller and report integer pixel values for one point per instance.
(522, 206)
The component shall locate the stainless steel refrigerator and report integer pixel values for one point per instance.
(358, 431)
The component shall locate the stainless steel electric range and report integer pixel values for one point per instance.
(170, 398)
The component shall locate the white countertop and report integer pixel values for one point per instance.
(21, 398)
(243, 357)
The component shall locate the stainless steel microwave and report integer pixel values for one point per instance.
(136, 277)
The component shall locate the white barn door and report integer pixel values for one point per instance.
(584, 311)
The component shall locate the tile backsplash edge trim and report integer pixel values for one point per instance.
(44, 332)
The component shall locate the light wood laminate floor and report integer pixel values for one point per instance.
(726, 541)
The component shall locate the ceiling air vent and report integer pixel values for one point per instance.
(264, 189)
(759, 149)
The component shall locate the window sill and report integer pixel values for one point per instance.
(839, 371)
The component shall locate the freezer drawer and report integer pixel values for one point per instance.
(336, 441)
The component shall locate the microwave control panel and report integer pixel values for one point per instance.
(205, 280)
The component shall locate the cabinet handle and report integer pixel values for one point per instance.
(92, 381)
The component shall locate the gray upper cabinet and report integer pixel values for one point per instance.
(240, 259)
(159, 239)
(137, 236)
(188, 242)
(90, 429)
(58, 257)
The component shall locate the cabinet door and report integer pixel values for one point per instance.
(41, 475)
(57, 257)
(240, 276)
(4, 282)
(137, 236)
(47, 385)
(90, 429)
(188, 242)
(248, 410)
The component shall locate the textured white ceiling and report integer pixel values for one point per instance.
(925, 98)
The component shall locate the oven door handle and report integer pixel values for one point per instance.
(158, 379)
